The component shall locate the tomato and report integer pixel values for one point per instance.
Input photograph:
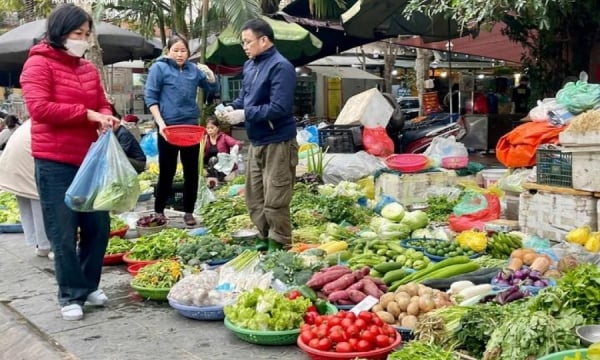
(383, 340)
(352, 331)
(353, 342)
(363, 346)
(335, 328)
(374, 329)
(334, 321)
(310, 317)
(377, 320)
(360, 323)
(312, 308)
(305, 327)
(365, 315)
(307, 336)
(322, 331)
(294, 294)
(314, 343)
(350, 315)
(338, 336)
(368, 336)
(346, 323)
(389, 331)
(324, 344)
(319, 320)
(343, 347)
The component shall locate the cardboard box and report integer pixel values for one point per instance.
(410, 189)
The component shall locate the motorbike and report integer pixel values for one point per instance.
(415, 135)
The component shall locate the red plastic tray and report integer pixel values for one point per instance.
(119, 232)
(112, 259)
(407, 163)
(133, 269)
(132, 261)
(184, 135)
(378, 354)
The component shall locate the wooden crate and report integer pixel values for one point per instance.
(551, 212)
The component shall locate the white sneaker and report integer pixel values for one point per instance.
(42, 252)
(96, 298)
(72, 312)
(51, 256)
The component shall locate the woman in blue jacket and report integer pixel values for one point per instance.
(170, 94)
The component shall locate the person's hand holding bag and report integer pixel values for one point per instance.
(208, 72)
(234, 117)
(105, 122)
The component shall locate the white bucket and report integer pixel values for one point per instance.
(491, 176)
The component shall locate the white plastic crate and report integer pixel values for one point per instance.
(586, 171)
(410, 189)
(551, 215)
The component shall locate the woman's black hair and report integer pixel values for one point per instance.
(175, 38)
(11, 121)
(213, 120)
(260, 28)
(62, 20)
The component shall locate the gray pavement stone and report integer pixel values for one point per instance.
(127, 328)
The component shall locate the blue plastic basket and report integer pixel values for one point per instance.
(440, 258)
(204, 313)
(11, 228)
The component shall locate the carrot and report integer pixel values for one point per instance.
(301, 247)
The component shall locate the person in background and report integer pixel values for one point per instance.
(454, 98)
(130, 122)
(131, 147)
(18, 178)
(170, 94)
(266, 104)
(520, 96)
(217, 142)
(11, 123)
(65, 121)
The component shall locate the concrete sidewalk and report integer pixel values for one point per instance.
(129, 327)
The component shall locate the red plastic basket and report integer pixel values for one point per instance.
(407, 163)
(455, 162)
(184, 135)
(119, 232)
(133, 269)
(131, 261)
(112, 259)
(378, 354)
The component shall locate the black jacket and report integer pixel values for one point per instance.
(132, 149)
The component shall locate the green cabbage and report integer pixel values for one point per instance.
(415, 219)
(393, 211)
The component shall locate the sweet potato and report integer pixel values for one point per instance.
(340, 283)
(377, 281)
(338, 295)
(383, 287)
(356, 296)
(356, 286)
(365, 271)
(370, 288)
(318, 280)
(345, 302)
(332, 268)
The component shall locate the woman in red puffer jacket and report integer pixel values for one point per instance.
(68, 109)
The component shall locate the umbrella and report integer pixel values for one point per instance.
(117, 44)
(293, 41)
(367, 17)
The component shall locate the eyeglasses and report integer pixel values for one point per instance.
(247, 43)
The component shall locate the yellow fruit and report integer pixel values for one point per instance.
(579, 235)
(474, 240)
(593, 243)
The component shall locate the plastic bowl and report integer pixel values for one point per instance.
(407, 163)
(151, 293)
(286, 337)
(135, 268)
(112, 259)
(440, 258)
(184, 135)
(130, 261)
(455, 162)
(378, 354)
(11, 228)
(205, 313)
(119, 232)
(588, 334)
(145, 197)
(561, 355)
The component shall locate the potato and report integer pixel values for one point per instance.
(424, 290)
(412, 289)
(401, 295)
(409, 321)
(377, 308)
(413, 309)
(403, 303)
(386, 317)
(385, 299)
(393, 309)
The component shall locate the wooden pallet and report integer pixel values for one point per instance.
(558, 190)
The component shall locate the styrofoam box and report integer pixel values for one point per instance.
(409, 189)
(551, 215)
(588, 138)
(368, 108)
(586, 171)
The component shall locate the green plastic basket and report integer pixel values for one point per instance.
(151, 293)
(286, 337)
(561, 355)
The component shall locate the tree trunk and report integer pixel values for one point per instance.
(422, 63)
(389, 62)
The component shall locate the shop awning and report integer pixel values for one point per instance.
(343, 72)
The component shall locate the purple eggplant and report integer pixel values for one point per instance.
(519, 275)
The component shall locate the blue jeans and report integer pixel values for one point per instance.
(77, 272)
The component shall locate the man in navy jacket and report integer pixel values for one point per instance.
(265, 105)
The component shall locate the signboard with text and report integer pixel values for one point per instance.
(430, 102)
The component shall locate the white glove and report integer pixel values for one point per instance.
(221, 110)
(235, 117)
(227, 109)
(208, 72)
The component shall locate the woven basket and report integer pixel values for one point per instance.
(205, 313)
(286, 337)
(141, 230)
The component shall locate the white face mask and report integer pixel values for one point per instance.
(76, 47)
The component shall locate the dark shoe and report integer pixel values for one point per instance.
(189, 219)
(275, 246)
(261, 245)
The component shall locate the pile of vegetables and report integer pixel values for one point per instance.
(9, 210)
(290, 268)
(116, 245)
(151, 221)
(161, 245)
(439, 207)
(159, 275)
(264, 310)
(204, 248)
(422, 350)
(215, 214)
(472, 239)
(116, 223)
(346, 332)
(448, 249)
(199, 290)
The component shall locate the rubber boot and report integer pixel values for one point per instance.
(261, 245)
(274, 246)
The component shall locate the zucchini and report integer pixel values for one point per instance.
(392, 276)
(452, 270)
(481, 276)
(388, 266)
(419, 275)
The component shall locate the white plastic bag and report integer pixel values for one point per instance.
(226, 162)
(540, 112)
(442, 147)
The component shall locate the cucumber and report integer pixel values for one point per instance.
(451, 270)
(387, 266)
(395, 275)
(419, 275)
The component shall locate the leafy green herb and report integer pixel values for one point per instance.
(439, 207)
(422, 350)
(215, 214)
(289, 268)
(116, 245)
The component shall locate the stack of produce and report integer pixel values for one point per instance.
(199, 290)
(386, 255)
(116, 223)
(9, 210)
(501, 244)
(205, 248)
(159, 275)
(291, 268)
(585, 237)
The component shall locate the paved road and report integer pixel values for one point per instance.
(128, 328)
